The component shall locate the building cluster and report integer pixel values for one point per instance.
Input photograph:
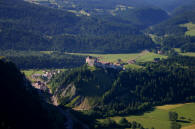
(40, 85)
(42, 79)
(92, 61)
(47, 75)
(50, 74)
(133, 61)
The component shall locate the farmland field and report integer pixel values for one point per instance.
(184, 54)
(1, 57)
(188, 54)
(159, 117)
(191, 28)
(30, 72)
(144, 56)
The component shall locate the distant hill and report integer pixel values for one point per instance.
(26, 26)
(178, 30)
(144, 16)
(105, 6)
(169, 5)
(181, 15)
(90, 5)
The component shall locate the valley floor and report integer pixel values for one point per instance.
(159, 117)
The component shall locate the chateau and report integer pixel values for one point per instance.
(92, 61)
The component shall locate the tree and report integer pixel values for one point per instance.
(123, 122)
(119, 60)
(109, 123)
(173, 116)
(134, 124)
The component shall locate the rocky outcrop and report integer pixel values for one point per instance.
(84, 105)
(69, 93)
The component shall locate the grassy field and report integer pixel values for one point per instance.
(47, 52)
(140, 57)
(184, 54)
(188, 54)
(191, 28)
(189, 127)
(154, 38)
(159, 117)
(30, 72)
(168, 107)
(1, 57)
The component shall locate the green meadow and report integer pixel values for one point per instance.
(30, 72)
(184, 54)
(140, 57)
(188, 54)
(191, 28)
(111, 57)
(159, 117)
(1, 57)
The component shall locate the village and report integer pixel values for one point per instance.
(40, 80)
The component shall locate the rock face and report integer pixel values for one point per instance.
(69, 91)
(71, 98)
(84, 105)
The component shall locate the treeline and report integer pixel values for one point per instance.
(123, 123)
(38, 60)
(130, 92)
(106, 123)
(21, 106)
(109, 43)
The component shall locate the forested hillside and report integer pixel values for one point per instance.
(104, 6)
(144, 16)
(178, 30)
(172, 25)
(110, 92)
(27, 26)
(21, 106)
(169, 5)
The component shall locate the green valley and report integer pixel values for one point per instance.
(97, 64)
